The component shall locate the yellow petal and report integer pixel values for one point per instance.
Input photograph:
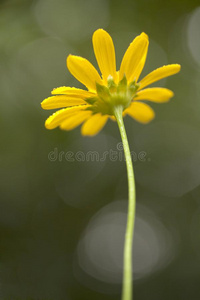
(134, 58)
(83, 71)
(61, 101)
(140, 67)
(158, 74)
(105, 53)
(158, 95)
(72, 91)
(58, 117)
(94, 124)
(112, 118)
(75, 120)
(141, 112)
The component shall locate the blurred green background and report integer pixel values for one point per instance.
(61, 221)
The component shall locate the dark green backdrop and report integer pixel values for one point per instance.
(61, 220)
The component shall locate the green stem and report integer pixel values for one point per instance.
(127, 289)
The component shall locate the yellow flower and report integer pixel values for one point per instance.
(115, 88)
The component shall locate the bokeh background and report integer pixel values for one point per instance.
(62, 220)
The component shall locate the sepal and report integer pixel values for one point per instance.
(103, 92)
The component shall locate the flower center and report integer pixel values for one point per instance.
(112, 95)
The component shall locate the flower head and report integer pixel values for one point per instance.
(94, 106)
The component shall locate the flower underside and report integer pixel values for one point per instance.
(94, 106)
(112, 95)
